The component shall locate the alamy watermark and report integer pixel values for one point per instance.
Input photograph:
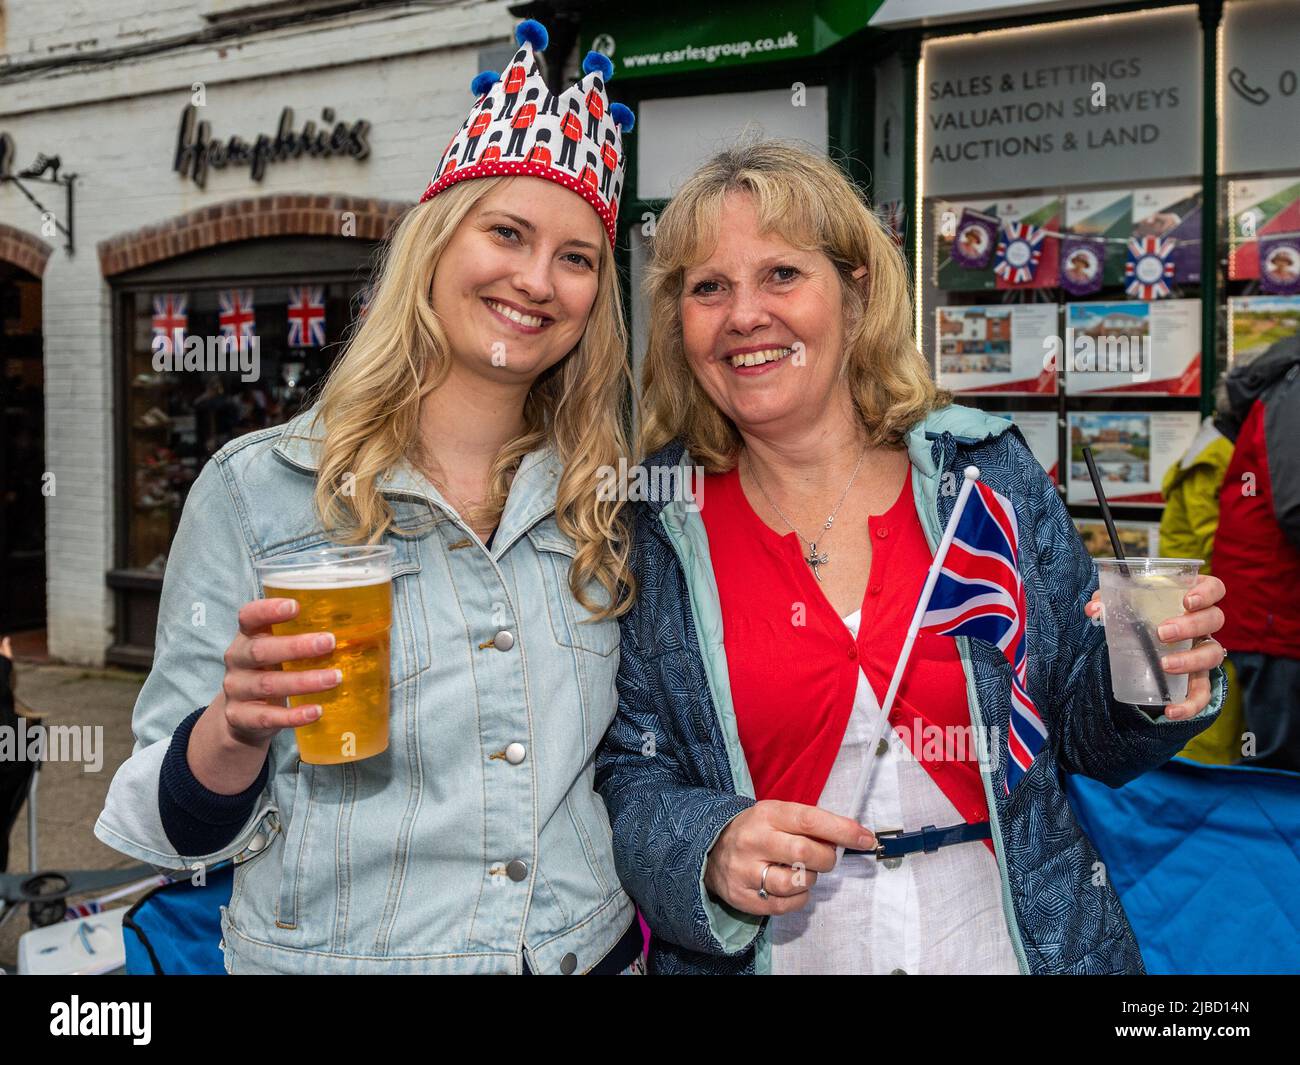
(656, 484)
(26, 742)
(197, 354)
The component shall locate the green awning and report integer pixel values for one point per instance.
(675, 36)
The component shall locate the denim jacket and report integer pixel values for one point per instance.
(440, 854)
(673, 771)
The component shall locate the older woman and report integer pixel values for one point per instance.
(772, 609)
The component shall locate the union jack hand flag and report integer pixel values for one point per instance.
(979, 594)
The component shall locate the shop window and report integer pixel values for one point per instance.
(1259, 188)
(192, 389)
(1061, 245)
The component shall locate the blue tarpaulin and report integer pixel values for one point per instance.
(1206, 860)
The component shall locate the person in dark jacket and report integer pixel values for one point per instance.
(15, 772)
(1257, 551)
(781, 361)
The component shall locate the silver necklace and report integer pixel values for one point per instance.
(815, 558)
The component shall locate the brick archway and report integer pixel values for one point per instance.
(23, 250)
(277, 215)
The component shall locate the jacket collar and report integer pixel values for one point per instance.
(967, 426)
(532, 492)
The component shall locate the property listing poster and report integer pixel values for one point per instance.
(1172, 211)
(954, 272)
(1108, 216)
(1132, 449)
(1039, 430)
(996, 350)
(1141, 539)
(1044, 215)
(1258, 322)
(1133, 347)
(1259, 208)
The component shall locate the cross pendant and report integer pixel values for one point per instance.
(815, 560)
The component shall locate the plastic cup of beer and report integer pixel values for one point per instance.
(347, 591)
(1138, 595)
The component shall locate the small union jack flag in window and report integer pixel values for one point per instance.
(170, 319)
(236, 316)
(306, 316)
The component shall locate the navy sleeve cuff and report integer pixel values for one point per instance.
(196, 820)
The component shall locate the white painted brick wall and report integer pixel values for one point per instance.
(405, 70)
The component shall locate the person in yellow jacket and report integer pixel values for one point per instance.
(1191, 493)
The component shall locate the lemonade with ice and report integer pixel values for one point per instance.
(1138, 596)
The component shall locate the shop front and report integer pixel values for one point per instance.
(234, 169)
(1100, 202)
(1107, 224)
(210, 346)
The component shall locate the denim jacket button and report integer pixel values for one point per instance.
(503, 640)
(568, 964)
(515, 753)
(517, 870)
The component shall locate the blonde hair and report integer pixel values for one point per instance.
(370, 404)
(808, 201)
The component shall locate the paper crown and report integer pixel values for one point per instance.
(518, 127)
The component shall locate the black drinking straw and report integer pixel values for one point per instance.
(1144, 637)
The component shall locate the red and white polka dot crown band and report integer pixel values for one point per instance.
(518, 127)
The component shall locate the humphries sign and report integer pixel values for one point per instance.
(197, 150)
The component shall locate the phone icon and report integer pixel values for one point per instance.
(1252, 93)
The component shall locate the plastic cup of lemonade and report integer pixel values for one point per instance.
(1138, 595)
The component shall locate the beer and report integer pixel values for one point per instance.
(346, 591)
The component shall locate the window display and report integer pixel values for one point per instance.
(206, 365)
(1061, 200)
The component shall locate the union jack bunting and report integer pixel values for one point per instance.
(1150, 267)
(236, 316)
(306, 316)
(979, 594)
(1020, 247)
(170, 319)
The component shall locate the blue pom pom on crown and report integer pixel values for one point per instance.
(534, 33)
(482, 83)
(622, 116)
(598, 63)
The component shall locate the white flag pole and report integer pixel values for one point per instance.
(970, 476)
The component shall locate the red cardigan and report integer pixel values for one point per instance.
(794, 666)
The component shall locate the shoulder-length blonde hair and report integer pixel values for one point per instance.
(808, 201)
(370, 404)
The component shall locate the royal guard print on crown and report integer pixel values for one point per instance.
(518, 127)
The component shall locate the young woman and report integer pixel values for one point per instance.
(464, 427)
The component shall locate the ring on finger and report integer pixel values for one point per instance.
(762, 881)
(1200, 641)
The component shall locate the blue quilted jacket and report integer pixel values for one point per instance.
(673, 774)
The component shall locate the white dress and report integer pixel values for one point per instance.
(930, 913)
